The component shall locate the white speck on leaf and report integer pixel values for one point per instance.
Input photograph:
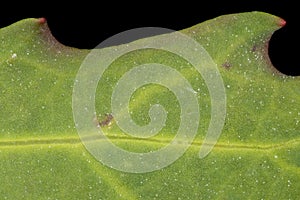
(14, 55)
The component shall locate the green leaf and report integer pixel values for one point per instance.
(255, 157)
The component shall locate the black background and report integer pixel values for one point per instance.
(83, 24)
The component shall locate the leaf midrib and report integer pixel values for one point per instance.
(197, 143)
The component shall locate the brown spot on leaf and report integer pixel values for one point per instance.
(226, 65)
(106, 121)
(254, 48)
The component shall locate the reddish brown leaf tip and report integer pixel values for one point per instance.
(42, 20)
(282, 22)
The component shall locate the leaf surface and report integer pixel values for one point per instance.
(256, 156)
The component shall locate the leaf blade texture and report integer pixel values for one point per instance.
(256, 156)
